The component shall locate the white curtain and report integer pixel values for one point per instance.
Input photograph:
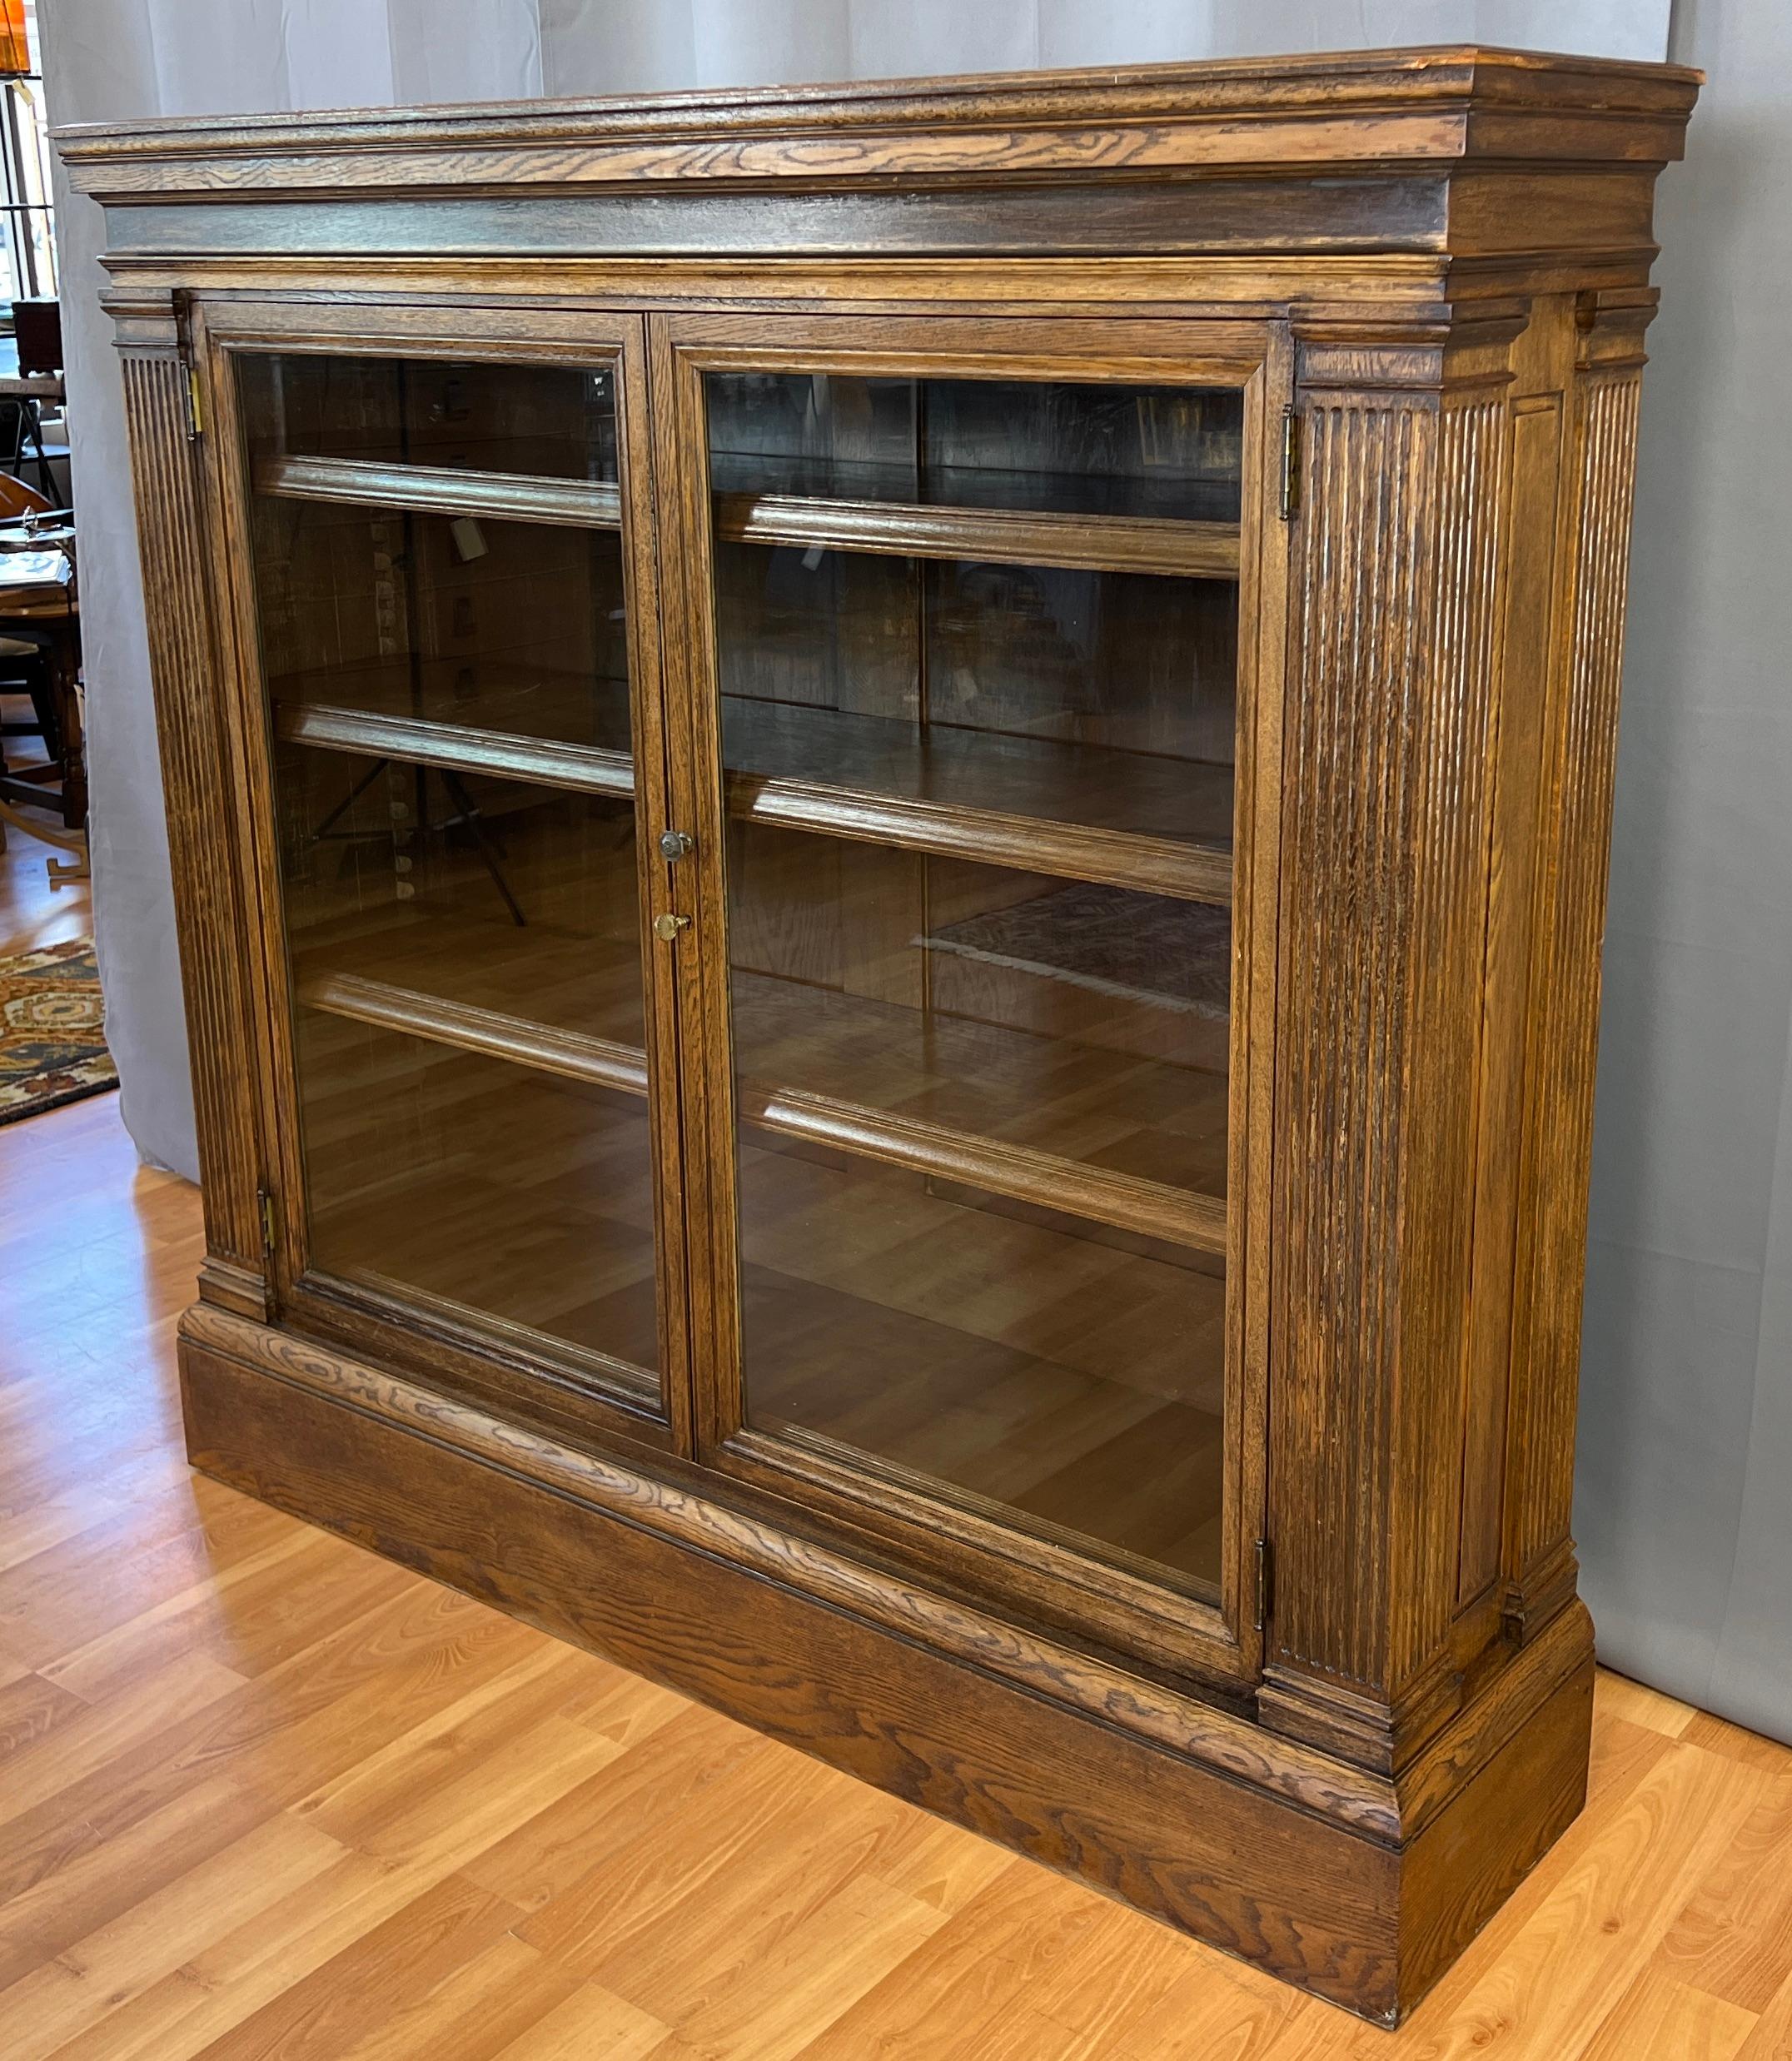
(1684, 1513)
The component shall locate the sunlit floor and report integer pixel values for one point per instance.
(263, 1794)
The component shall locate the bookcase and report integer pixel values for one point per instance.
(890, 811)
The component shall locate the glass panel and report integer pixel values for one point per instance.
(552, 420)
(1086, 1021)
(1167, 451)
(1100, 698)
(1072, 1376)
(984, 1105)
(469, 1033)
(494, 1196)
(486, 892)
(514, 627)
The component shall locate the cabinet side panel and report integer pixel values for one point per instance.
(1351, 808)
(212, 936)
(1538, 547)
(1574, 865)
(1388, 793)
(1449, 859)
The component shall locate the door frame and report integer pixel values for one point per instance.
(946, 1540)
(563, 1391)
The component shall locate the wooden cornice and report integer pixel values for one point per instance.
(1355, 111)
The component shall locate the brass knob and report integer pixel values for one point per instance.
(667, 927)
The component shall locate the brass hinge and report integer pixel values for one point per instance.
(1266, 1584)
(1291, 463)
(195, 418)
(270, 1230)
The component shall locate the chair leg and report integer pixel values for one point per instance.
(49, 716)
(32, 426)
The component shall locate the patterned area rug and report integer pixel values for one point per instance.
(52, 1030)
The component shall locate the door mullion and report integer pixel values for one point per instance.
(697, 885)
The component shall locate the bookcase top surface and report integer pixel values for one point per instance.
(1356, 110)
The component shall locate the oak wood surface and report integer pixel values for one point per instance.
(699, 1292)
(273, 1795)
(1353, 107)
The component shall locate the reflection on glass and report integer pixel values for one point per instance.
(1076, 1019)
(454, 934)
(485, 893)
(983, 1113)
(1024, 1358)
(497, 1197)
(515, 627)
(552, 420)
(1102, 699)
(1166, 451)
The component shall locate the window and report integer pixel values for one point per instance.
(24, 147)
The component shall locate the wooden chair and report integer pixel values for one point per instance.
(37, 661)
(38, 331)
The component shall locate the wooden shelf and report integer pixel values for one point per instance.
(1007, 536)
(444, 490)
(852, 776)
(456, 747)
(1166, 495)
(472, 1028)
(1085, 1104)
(482, 1205)
(1099, 542)
(555, 705)
(1022, 1173)
(988, 796)
(914, 1346)
(898, 1332)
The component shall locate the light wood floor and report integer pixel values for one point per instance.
(262, 1794)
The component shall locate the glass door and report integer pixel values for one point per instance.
(459, 734)
(974, 665)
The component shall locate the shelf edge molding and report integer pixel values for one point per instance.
(1019, 1172)
(541, 761)
(1007, 536)
(1128, 859)
(1069, 851)
(443, 490)
(600, 1061)
(1069, 1186)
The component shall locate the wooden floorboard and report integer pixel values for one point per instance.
(262, 1794)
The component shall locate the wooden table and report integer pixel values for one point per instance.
(15, 386)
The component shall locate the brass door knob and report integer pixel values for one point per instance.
(667, 927)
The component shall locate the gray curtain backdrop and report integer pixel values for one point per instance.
(1684, 1511)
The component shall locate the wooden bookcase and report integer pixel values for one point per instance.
(890, 808)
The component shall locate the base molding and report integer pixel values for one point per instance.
(1360, 1890)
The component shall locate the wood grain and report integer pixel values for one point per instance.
(1575, 837)
(1151, 1208)
(1197, 550)
(1352, 848)
(363, 484)
(891, 1346)
(199, 785)
(853, 1920)
(1376, 105)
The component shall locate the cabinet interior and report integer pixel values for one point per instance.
(975, 647)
